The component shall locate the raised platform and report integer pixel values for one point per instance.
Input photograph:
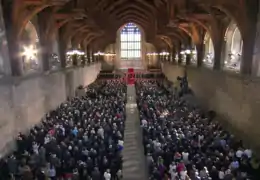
(135, 64)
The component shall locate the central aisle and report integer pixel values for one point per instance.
(134, 167)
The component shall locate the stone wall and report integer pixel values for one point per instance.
(105, 66)
(24, 101)
(236, 99)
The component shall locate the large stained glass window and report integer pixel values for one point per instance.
(130, 42)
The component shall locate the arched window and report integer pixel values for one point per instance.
(130, 37)
(233, 49)
(29, 48)
(209, 53)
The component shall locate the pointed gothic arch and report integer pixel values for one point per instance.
(233, 48)
(209, 52)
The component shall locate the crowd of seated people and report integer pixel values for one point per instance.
(81, 140)
(183, 143)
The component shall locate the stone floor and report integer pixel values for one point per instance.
(134, 167)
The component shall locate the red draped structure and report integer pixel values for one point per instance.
(130, 76)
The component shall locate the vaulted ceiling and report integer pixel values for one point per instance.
(95, 22)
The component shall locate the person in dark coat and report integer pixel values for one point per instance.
(178, 132)
(81, 139)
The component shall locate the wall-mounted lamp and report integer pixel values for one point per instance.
(75, 52)
(234, 61)
(176, 57)
(182, 52)
(152, 54)
(29, 52)
(110, 54)
(209, 58)
(187, 51)
(99, 53)
(109, 57)
(164, 53)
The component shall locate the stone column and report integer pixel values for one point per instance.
(83, 60)
(173, 55)
(12, 39)
(93, 57)
(62, 49)
(179, 58)
(217, 53)
(5, 57)
(45, 39)
(16, 61)
(188, 58)
(200, 53)
(247, 53)
(45, 53)
(251, 39)
(159, 57)
(256, 53)
(224, 54)
(75, 59)
(88, 55)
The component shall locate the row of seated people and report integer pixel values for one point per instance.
(182, 142)
(81, 140)
(134, 75)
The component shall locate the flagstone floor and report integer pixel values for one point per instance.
(134, 167)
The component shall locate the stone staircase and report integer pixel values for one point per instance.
(134, 167)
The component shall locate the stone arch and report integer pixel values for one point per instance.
(233, 47)
(166, 40)
(239, 19)
(29, 45)
(29, 35)
(209, 53)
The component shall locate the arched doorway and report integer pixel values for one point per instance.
(194, 55)
(233, 48)
(29, 48)
(130, 42)
(209, 52)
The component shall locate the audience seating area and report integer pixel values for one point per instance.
(83, 138)
(183, 142)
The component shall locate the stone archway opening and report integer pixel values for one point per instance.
(209, 52)
(233, 48)
(194, 54)
(29, 48)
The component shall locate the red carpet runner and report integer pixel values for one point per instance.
(130, 76)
